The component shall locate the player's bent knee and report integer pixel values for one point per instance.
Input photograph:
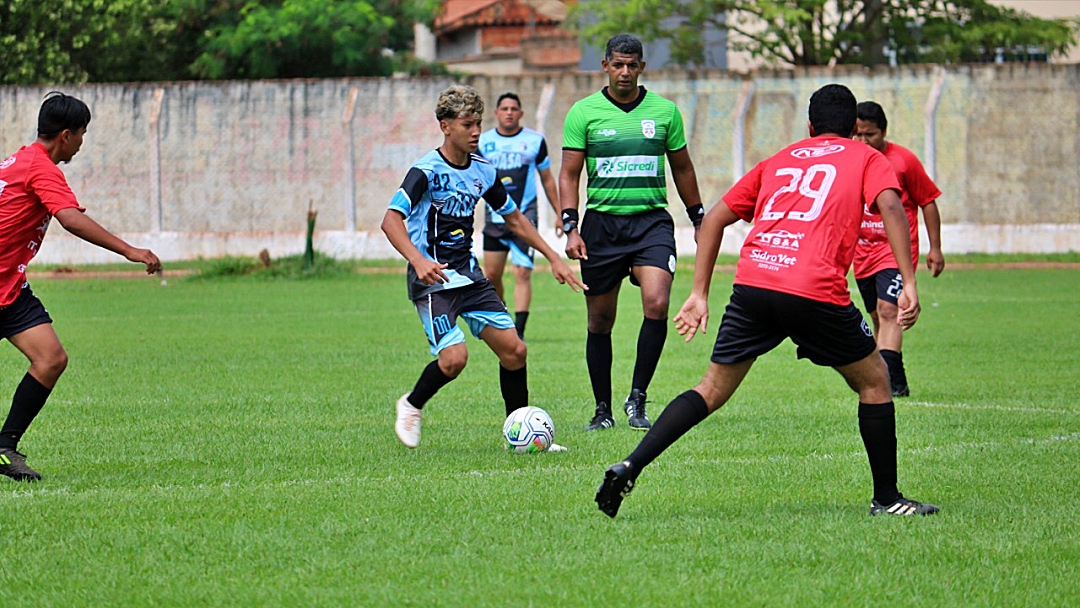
(452, 361)
(887, 312)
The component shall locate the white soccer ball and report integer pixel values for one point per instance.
(528, 430)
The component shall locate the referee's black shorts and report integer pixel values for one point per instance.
(25, 312)
(757, 321)
(616, 243)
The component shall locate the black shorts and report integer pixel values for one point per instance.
(477, 304)
(757, 321)
(25, 312)
(616, 243)
(883, 285)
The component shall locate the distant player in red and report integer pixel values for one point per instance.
(32, 192)
(876, 270)
(805, 203)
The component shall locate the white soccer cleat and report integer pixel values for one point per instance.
(407, 425)
(556, 448)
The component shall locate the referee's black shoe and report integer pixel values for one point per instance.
(903, 506)
(635, 409)
(618, 482)
(13, 464)
(602, 419)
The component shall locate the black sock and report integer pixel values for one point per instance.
(650, 344)
(515, 388)
(877, 425)
(681, 415)
(431, 380)
(895, 362)
(30, 397)
(521, 317)
(598, 359)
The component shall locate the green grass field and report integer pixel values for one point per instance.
(230, 442)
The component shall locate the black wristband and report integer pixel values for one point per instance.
(696, 213)
(569, 220)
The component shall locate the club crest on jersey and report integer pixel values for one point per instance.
(479, 185)
(489, 147)
(7, 163)
(648, 128)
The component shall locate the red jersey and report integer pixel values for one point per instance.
(806, 202)
(32, 190)
(917, 190)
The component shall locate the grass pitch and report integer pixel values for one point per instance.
(230, 442)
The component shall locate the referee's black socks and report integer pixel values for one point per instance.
(650, 345)
(598, 360)
(877, 425)
(681, 415)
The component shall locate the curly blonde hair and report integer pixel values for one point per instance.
(458, 101)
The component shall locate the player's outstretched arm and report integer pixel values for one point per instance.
(521, 226)
(393, 226)
(81, 225)
(935, 260)
(573, 161)
(694, 314)
(898, 232)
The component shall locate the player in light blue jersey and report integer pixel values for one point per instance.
(519, 154)
(430, 223)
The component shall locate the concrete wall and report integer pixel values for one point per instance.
(209, 169)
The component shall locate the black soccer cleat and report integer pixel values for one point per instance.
(618, 482)
(602, 419)
(900, 390)
(635, 409)
(903, 506)
(13, 464)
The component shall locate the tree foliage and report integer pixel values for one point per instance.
(71, 41)
(822, 32)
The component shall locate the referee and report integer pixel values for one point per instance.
(621, 135)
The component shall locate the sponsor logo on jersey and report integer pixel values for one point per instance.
(781, 239)
(7, 163)
(648, 128)
(671, 263)
(606, 132)
(817, 151)
(627, 166)
(489, 147)
(772, 261)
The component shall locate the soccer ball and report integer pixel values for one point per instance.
(528, 430)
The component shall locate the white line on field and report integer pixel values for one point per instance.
(595, 467)
(1001, 408)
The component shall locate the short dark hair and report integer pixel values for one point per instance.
(59, 112)
(832, 110)
(871, 111)
(508, 95)
(624, 44)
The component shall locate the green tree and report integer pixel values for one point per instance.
(310, 38)
(821, 32)
(73, 41)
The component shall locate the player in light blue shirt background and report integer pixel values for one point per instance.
(519, 154)
(430, 223)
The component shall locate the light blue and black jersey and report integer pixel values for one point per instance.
(438, 200)
(517, 158)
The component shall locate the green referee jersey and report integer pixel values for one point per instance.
(625, 146)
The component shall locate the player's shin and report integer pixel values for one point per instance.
(877, 425)
(681, 415)
(515, 388)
